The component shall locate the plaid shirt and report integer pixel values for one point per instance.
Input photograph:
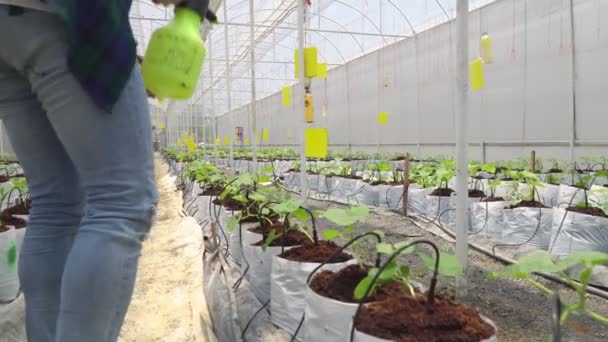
(102, 50)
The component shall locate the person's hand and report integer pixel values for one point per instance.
(168, 2)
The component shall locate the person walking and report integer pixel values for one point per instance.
(75, 109)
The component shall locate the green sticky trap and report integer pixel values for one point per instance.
(383, 118)
(11, 255)
(477, 75)
(316, 142)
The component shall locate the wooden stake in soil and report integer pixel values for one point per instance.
(406, 182)
(533, 161)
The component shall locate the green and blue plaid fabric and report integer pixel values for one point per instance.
(102, 49)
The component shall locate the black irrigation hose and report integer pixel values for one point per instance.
(556, 317)
(431, 293)
(252, 318)
(330, 259)
(315, 236)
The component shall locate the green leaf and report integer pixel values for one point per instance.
(449, 265)
(269, 239)
(346, 217)
(538, 261)
(385, 248)
(402, 244)
(588, 259)
(362, 287)
(404, 272)
(389, 273)
(287, 207)
(233, 222)
(301, 214)
(331, 234)
(268, 169)
(257, 197)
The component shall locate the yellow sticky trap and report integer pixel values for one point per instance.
(486, 49)
(226, 140)
(383, 118)
(316, 142)
(190, 143)
(310, 62)
(257, 137)
(265, 134)
(246, 141)
(286, 96)
(218, 142)
(321, 70)
(161, 126)
(477, 75)
(309, 108)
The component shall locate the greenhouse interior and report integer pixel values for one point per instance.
(304, 170)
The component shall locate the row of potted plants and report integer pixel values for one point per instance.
(327, 291)
(281, 238)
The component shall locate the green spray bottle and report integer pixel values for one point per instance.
(175, 54)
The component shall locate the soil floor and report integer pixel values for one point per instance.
(168, 303)
(521, 312)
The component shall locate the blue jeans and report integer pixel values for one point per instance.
(91, 177)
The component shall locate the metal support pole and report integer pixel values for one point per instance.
(212, 94)
(254, 127)
(300, 99)
(228, 87)
(573, 81)
(461, 89)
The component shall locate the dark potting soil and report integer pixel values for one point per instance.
(341, 285)
(588, 211)
(406, 319)
(476, 193)
(493, 199)
(251, 215)
(211, 192)
(4, 228)
(555, 170)
(229, 203)
(4, 179)
(8, 219)
(507, 179)
(21, 208)
(442, 192)
(316, 253)
(351, 177)
(528, 204)
(375, 183)
(293, 237)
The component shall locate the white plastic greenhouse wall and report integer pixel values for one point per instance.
(541, 89)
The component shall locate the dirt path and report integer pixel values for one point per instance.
(168, 304)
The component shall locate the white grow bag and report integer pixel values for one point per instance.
(346, 188)
(288, 290)
(366, 194)
(452, 213)
(328, 185)
(363, 337)
(235, 239)
(327, 319)
(520, 226)
(260, 267)
(487, 218)
(9, 279)
(437, 208)
(569, 196)
(549, 194)
(578, 233)
(417, 199)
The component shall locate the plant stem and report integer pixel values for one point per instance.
(597, 317)
(540, 286)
